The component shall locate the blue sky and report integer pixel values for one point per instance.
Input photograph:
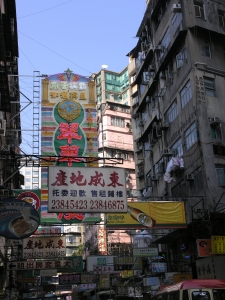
(80, 35)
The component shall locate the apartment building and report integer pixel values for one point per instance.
(177, 86)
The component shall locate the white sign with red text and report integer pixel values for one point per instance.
(83, 189)
(44, 247)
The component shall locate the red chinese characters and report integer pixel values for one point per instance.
(69, 154)
(69, 132)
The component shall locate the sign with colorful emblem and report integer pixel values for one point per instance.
(86, 190)
(18, 219)
(69, 132)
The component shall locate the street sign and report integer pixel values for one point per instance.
(40, 264)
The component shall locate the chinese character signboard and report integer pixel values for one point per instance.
(18, 219)
(102, 260)
(155, 214)
(44, 247)
(218, 244)
(41, 264)
(48, 231)
(127, 263)
(204, 247)
(102, 241)
(69, 131)
(69, 278)
(145, 252)
(86, 190)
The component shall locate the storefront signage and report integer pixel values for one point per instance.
(86, 190)
(18, 218)
(101, 260)
(40, 264)
(134, 291)
(69, 132)
(204, 247)
(148, 281)
(104, 269)
(218, 244)
(48, 231)
(44, 247)
(155, 214)
(127, 263)
(159, 267)
(144, 252)
(69, 278)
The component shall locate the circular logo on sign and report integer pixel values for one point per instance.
(31, 198)
(69, 110)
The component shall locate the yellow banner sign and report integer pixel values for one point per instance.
(157, 214)
(218, 244)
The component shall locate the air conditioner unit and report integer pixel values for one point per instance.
(151, 68)
(154, 178)
(176, 8)
(214, 120)
(146, 77)
(166, 152)
(157, 48)
(141, 124)
(140, 174)
(189, 177)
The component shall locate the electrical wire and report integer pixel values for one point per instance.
(55, 52)
(44, 10)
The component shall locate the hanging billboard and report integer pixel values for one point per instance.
(77, 189)
(146, 215)
(69, 132)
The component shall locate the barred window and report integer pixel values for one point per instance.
(186, 94)
(191, 136)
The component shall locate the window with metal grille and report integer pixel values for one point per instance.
(172, 112)
(191, 136)
(209, 84)
(186, 94)
(199, 9)
(220, 174)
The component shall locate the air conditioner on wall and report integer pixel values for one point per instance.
(214, 120)
(189, 177)
(176, 8)
(167, 152)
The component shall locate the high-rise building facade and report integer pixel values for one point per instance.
(177, 87)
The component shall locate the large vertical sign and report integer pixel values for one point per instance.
(69, 132)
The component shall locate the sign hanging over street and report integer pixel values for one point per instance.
(44, 247)
(73, 264)
(83, 189)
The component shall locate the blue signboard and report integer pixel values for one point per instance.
(18, 218)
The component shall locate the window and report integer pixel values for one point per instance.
(181, 57)
(27, 187)
(27, 179)
(178, 147)
(172, 112)
(191, 136)
(144, 116)
(209, 84)
(176, 20)
(148, 179)
(35, 180)
(220, 173)
(221, 18)
(118, 122)
(28, 173)
(35, 173)
(165, 42)
(215, 130)
(147, 147)
(205, 48)
(200, 295)
(185, 94)
(199, 10)
(104, 136)
(197, 184)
